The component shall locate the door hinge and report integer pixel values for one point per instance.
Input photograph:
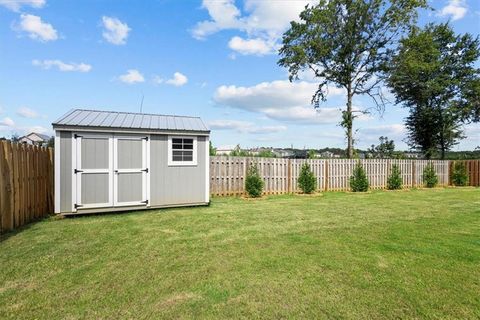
(77, 171)
(77, 136)
(145, 170)
(77, 206)
(146, 138)
(146, 201)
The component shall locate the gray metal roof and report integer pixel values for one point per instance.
(129, 120)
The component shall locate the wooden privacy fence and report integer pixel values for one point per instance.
(27, 178)
(26, 184)
(473, 170)
(227, 174)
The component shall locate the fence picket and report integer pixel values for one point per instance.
(26, 184)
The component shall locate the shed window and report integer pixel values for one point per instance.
(182, 151)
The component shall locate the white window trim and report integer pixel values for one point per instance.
(172, 163)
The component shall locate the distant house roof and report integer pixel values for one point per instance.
(129, 120)
(41, 136)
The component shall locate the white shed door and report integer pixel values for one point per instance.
(131, 165)
(93, 171)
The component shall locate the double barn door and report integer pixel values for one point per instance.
(110, 170)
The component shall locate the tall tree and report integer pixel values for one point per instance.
(347, 44)
(434, 75)
(384, 150)
(213, 150)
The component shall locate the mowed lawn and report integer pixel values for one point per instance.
(407, 254)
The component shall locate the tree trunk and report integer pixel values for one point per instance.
(349, 123)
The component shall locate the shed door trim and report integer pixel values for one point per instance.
(143, 170)
(78, 171)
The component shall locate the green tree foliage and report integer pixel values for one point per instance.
(51, 142)
(307, 180)
(239, 152)
(311, 154)
(385, 150)
(394, 180)
(213, 150)
(347, 44)
(253, 182)
(430, 178)
(359, 180)
(15, 137)
(266, 154)
(435, 77)
(459, 174)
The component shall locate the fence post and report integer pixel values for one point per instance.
(289, 176)
(7, 212)
(326, 164)
(414, 182)
(451, 163)
(2, 187)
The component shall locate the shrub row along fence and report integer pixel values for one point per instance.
(227, 174)
(26, 184)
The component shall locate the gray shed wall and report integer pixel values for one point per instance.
(176, 185)
(169, 185)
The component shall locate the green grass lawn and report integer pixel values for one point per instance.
(407, 254)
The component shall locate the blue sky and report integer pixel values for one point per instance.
(214, 59)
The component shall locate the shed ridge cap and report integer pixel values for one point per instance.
(136, 113)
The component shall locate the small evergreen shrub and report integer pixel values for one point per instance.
(459, 174)
(253, 182)
(359, 181)
(307, 180)
(430, 178)
(395, 181)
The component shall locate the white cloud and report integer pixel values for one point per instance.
(275, 94)
(7, 122)
(157, 79)
(472, 131)
(36, 28)
(392, 129)
(178, 79)
(369, 135)
(27, 113)
(305, 115)
(116, 31)
(37, 129)
(62, 66)
(279, 100)
(132, 76)
(256, 46)
(456, 9)
(262, 21)
(15, 5)
(224, 15)
(244, 127)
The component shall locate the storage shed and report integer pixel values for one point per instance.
(115, 161)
